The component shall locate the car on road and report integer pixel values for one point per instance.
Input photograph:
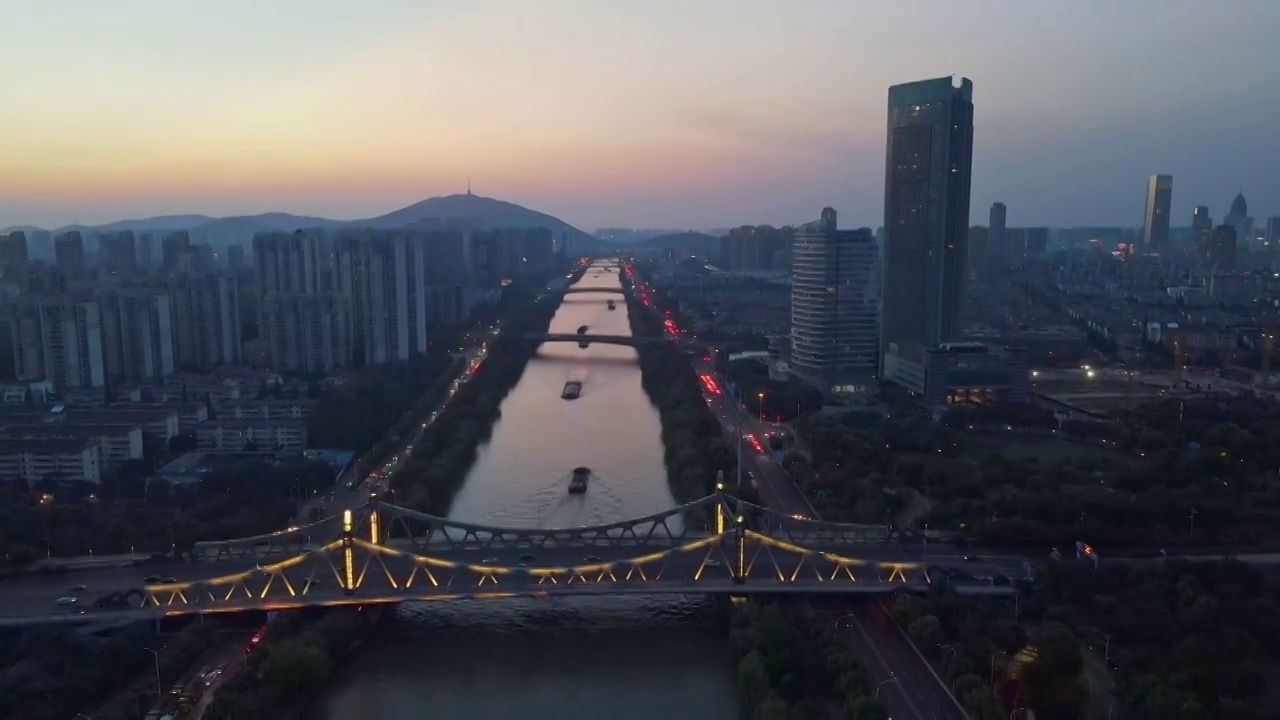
(712, 563)
(591, 559)
(151, 579)
(65, 600)
(170, 580)
(527, 558)
(489, 561)
(972, 558)
(79, 589)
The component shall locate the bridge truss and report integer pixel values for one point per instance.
(422, 533)
(355, 570)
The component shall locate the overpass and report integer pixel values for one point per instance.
(381, 553)
(586, 339)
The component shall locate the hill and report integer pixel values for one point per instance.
(695, 243)
(488, 213)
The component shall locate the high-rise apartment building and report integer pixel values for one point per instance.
(68, 253)
(206, 312)
(175, 248)
(996, 239)
(393, 279)
(298, 262)
(835, 307)
(1224, 248)
(137, 336)
(307, 332)
(71, 348)
(752, 248)
(508, 253)
(1155, 223)
(928, 165)
(14, 255)
(1272, 236)
(118, 251)
(979, 244)
(235, 257)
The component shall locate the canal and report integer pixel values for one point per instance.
(625, 658)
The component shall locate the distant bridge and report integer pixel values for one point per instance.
(587, 339)
(387, 554)
(581, 290)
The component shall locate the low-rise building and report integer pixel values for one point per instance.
(966, 372)
(265, 410)
(118, 442)
(224, 435)
(65, 458)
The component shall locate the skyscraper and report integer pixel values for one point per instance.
(68, 252)
(1155, 223)
(1224, 248)
(996, 239)
(928, 165)
(1201, 232)
(835, 307)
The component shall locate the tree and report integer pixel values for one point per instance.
(296, 666)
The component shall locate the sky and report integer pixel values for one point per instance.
(663, 113)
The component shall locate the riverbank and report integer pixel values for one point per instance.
(445, 452)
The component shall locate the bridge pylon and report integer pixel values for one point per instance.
(740, 551)
(348, 554)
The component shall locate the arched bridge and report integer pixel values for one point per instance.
(381, 553)
(585, 339)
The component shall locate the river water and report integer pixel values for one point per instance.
(621, 658)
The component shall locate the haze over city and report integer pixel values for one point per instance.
(659, 114)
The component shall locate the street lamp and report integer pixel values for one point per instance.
(159, 685)
(954, 654)
(760, 397)
(882, 684)
(994, 655)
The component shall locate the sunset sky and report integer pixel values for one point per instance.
(698, 113)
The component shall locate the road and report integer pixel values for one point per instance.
(339, 498)
(909, 687)
(771, 481)
(913, 692)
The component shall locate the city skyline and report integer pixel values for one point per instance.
(678, 124)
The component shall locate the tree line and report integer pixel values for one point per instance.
(1177, 473)
(694, 449)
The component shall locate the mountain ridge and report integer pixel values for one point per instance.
(490, 212)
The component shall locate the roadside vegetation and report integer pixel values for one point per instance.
(794, 666)
(1168, 640)
(53, 673)
(1185, 473)
(295, 659)
(692, 439)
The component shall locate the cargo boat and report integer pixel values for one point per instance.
(578, 482)
(582, 330)
(572, 390)
(613, 305)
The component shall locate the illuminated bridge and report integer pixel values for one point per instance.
(579, 291)
(381, 553)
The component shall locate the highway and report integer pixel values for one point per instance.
(913, 691)
(909, 687)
